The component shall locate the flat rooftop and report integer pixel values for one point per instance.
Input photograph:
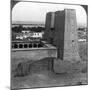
(46, 46)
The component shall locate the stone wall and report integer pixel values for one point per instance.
(23, 62)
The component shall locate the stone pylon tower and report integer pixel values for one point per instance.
(71, 51)
(49, 25)
(61, 31)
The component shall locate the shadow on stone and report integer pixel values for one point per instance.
(27, 67)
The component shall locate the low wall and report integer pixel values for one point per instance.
(26, 59)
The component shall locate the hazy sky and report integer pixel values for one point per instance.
(28, 11)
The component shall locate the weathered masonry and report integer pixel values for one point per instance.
(61, 31)
(38, 56)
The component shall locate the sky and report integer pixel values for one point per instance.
(36, 12)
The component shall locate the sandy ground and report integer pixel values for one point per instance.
(48, 78)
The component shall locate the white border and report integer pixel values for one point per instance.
(5, 44)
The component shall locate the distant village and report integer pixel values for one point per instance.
(82, 33)
(31, 32)
(22, 32)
